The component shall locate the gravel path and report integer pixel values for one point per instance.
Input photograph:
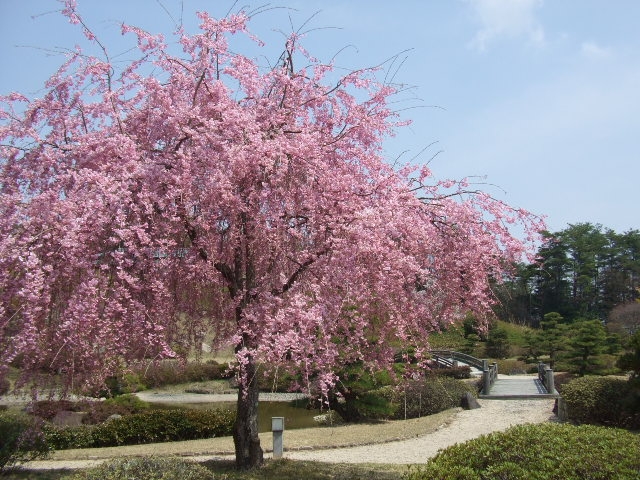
(172, 397)
(423, 438)
(494, 415)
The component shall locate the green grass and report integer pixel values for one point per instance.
(453, 338)
(293, 469)
(273, 469)
(450, 339)
(35, 475)
(515, 333)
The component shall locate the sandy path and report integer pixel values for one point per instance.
(494, 415)
(463, 425)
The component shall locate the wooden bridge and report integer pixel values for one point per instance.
(496, 386)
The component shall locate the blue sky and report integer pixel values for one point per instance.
(540, 99)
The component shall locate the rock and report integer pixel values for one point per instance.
(469, 402)
(329, 418)
(115, 416)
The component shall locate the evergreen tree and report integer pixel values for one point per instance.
(551, 338)
(630, 361)
(587, 339)
(498, 345)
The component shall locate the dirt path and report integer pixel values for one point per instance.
(400, 442)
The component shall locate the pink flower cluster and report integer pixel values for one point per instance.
(161, 208)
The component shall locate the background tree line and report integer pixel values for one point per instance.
(582, 272)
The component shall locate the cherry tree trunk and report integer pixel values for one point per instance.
(245, 431)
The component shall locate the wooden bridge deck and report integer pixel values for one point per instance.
(513, 387)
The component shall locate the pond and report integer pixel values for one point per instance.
(295, 413)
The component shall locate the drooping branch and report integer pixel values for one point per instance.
(302, 267)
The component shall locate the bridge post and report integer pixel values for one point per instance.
(486, 377)
(549, 384)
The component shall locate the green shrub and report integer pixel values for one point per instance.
(539, 452)
(426, 396)
(498, 345)
(129, 402)
(150, 427)
(603, 400)
(461, 372)
(62, 438)
(145, 468)
(166, 372)
(273, 378)
(172, 372)
(132, 383)
(5, 386)
(511, 366)
(355, 397)
(21, 439)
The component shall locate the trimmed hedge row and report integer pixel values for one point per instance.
(603, 400)
(150, 427)
(460, 372)
(426, 396)
(539, 452)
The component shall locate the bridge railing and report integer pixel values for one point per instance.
(489, 375)
(545, 375)
(459, 356)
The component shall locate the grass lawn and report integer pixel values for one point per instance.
(273, 469)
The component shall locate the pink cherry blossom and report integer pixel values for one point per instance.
(142, 212)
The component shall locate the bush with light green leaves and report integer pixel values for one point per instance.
(547, 451)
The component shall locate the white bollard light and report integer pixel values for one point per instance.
(277, 427)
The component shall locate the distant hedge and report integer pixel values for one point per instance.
(539, 452)
(149, 427)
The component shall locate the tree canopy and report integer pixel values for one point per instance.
(144, 205)
(583, 271)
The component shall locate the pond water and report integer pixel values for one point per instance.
(295, 414)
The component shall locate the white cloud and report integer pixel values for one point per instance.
(506, 18)
(594, 51)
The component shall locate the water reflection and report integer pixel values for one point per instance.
(295, 414)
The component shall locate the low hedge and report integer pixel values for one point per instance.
(603, 400)
(460, 372)
(145, 468)
(150, 427)
(539, 452)
(427, 396)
